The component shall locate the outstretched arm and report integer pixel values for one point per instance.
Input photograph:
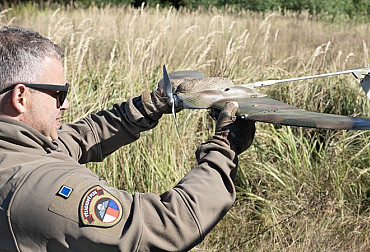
(98, 135)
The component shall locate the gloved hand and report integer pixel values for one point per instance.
(155, 104)
(235, 130)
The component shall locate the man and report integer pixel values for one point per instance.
(49, 202)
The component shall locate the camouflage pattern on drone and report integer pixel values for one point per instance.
(195, 91)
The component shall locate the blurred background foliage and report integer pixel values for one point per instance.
(330, 9)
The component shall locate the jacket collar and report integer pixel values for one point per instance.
(17, 136)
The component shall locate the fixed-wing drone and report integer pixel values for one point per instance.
(199, 92)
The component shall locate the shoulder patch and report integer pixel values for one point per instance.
(99, 208)
(65, 191)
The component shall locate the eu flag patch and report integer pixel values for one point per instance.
(65, 191)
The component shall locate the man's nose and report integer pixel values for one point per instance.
(65, 105)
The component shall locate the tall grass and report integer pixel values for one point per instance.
(298, 189)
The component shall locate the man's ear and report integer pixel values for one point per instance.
(19, 99)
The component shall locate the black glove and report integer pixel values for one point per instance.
(153, 105)
(237, 131)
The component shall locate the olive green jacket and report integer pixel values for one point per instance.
(50, 202)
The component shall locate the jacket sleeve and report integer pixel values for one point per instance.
(98, 135)
(177, 220)
(180, 218)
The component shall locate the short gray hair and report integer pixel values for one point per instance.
(22, 52)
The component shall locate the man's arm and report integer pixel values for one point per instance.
(100, 134)
(181, 218)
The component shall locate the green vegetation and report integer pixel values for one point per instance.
(330, 9)
(298, 189)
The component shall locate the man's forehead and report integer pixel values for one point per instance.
(53, 71)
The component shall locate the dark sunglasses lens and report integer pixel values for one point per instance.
(62, 95)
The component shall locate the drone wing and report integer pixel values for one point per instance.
(272, 111)
(258, 107)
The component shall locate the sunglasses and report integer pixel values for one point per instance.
(61, 95)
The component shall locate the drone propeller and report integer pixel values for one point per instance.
(169, 93)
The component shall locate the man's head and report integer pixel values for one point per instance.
(28, 58)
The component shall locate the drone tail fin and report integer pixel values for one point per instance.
(365, 84)
(364, 75)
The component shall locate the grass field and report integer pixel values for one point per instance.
(298, 189)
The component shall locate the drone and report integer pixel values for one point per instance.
(199, 92)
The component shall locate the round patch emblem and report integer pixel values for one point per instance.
(100, 208)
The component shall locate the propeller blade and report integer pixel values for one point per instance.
(174, 118)
(169, 93)
(167, 85)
